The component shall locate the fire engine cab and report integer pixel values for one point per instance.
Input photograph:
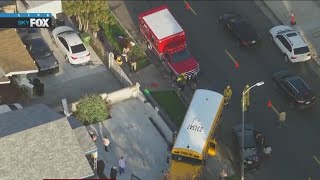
(167, 39)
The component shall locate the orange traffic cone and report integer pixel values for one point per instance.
(293, 21)
(187, 5)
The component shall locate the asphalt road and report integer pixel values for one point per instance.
(293, 146)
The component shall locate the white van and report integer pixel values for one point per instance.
(9, 107)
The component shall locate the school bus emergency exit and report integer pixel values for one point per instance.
(195, 140)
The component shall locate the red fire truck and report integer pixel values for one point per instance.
(167, 39)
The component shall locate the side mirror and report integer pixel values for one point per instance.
(212, 147)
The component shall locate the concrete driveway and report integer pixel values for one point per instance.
(73, 82)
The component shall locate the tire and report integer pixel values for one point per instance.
(53, 41)
(173, 77)
(67, 59)
(149, 46)
(271, 38)
(286, 58)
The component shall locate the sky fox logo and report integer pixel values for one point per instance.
(39, 22)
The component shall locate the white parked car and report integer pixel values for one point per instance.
(71, 45)
(291, 44)
(10, 107)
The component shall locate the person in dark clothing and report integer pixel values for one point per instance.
(113, 173)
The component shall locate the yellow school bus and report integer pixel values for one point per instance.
(195, 140)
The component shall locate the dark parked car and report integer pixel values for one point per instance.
(41, 53)
(251, 158)
(295, 89)
(240, 28)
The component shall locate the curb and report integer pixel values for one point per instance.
(270, 10)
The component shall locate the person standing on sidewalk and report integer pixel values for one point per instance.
(133, 64)
(227, 93)
(223, 175)
(122, 165)
(125, 51)
(106, 143)
(113, 173)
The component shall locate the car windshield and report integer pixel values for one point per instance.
(180, 56)
(301, 50)
(40, 49)
(78, 48)
(185, 159)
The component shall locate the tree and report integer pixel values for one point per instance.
(89, 13)
(91, 109)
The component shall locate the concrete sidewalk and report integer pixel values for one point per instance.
(133, 136)
(307, 15)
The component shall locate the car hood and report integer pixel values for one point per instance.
(308, 96)
(47, 62)
(182, 170)
(185, 66)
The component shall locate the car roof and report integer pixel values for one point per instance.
(297, 83)
(71, 37)
(295, 39)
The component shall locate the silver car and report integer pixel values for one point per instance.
(71, 45)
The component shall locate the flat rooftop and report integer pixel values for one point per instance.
(162, 23)
(34, 148)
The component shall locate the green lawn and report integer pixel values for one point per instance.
(171, 104)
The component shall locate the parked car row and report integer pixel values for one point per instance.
(292, 46)
(65, 38)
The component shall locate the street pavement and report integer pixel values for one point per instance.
(307, 14)
(133, 136)
(293, 146)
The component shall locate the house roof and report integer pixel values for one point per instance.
(38, 143)
(14, 57)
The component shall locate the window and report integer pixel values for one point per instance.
(180, 56)
(78, 48)
(64, 42)
(301, 50)
(185, 159)
(284, 42)
(289, 88)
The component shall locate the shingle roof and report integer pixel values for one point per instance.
(37, 143)
(14, 57)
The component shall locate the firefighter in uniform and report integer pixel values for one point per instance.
(227, 93)
(246, 100)
(182, 81)
(117, 57)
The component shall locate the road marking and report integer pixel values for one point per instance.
(318, 161)
(231, 57)
(189, 7)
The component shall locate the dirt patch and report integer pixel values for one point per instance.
(10, 93)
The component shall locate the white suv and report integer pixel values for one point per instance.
(291, 44)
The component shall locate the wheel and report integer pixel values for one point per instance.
(286, 58)
(149, 46)
(67, 59)
(173, 77)
(270, 37)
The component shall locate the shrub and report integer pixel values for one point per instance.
(92, 109)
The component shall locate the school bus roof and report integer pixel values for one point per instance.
(198, 121)
(161, 22)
